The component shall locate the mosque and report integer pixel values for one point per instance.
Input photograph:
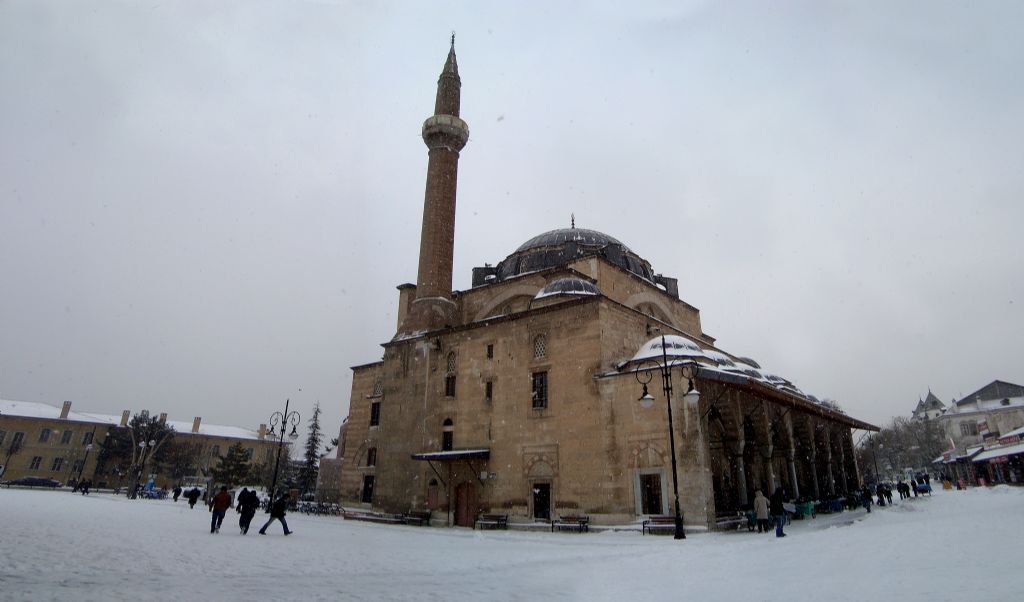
(519, 396)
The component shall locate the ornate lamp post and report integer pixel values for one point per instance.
(146, 449)
(644, 375)
(88, 448)
(282, 419)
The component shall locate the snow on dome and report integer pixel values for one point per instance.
(675, 347)
(567, 286)
(720, 358)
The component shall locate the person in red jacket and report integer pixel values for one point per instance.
(219, 506)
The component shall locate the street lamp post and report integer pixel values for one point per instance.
(88, 448)
(282, 419)
(145, 452)
(666, 386)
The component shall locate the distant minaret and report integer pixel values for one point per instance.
(445, 135)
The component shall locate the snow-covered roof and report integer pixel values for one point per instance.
(675, 347)
(999, 452)
(453, 454)
(1013, 435)
(210, 430)
(31, 409)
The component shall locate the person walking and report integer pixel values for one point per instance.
(248, 502)
(177, 492)
(193, 497)
(778, 510)
(761, 511)
(277, 513)
(218, 507)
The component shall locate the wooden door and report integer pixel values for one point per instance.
(465, 504)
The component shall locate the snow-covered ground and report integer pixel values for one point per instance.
(55, 545)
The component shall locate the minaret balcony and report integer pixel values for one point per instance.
(445, 131)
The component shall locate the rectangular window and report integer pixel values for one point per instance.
(540, 390)
(375, 413)
(44, 435)
(490, 352)
(268, 455)
(489, 391)
(447, 441)
(215, 451)
(57, 463)
(19, 438)
(371, 456)
(65, 437)
(249, 453)
(37, 461)
(78, 466)
(968, 428)
(87, 438)
(449, 385)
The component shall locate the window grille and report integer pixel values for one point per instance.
(378, 389)
(540, 390)
(37, 461)
(540, 346)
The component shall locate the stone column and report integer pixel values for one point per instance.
(741, 472)
(791, 460)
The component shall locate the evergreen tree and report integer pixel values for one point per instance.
(233, 468)
(311, 459)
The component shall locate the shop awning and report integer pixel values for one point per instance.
(1000, 452)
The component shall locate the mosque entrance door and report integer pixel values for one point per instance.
(465, 503)
(542, 501)
(650, 494)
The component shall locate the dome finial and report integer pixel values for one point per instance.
(572, 220)
(453, 39)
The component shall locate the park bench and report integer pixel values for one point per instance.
(491, 521)
(923, 488)
(661, 524)
(575, 522)
(417, 518)
(730, 522)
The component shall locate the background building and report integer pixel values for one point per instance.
(38, 439)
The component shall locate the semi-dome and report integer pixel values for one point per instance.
(568, 286)
(559, 247)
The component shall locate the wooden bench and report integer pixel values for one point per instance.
(730, 522)
(417, 518)
(574, 522)
(491, 521)
(661, 524)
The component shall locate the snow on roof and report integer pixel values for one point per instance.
(675, 346)
(999, 452)
(185, 428)
(31, 409)
(1018, 433)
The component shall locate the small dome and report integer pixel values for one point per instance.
(559, 247)
(675, 347)
(568, 286)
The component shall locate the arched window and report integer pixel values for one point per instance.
(449, 376)
(540, 346)
(448, 435)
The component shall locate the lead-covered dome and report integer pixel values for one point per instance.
(559, 247)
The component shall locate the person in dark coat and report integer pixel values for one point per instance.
(277, 513)
(219, 505)
(248, 502)
(778, 510)
(177, 492)
(193, 497)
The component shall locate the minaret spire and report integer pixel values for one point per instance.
(445, 134)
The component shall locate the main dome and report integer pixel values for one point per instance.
(559, 247)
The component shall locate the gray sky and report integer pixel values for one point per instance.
(206, 207)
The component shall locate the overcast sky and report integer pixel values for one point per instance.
(206, 207)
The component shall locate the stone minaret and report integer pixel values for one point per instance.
(445, 135)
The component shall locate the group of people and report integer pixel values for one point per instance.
(247, 504)
(84, 486)
(775, 507)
